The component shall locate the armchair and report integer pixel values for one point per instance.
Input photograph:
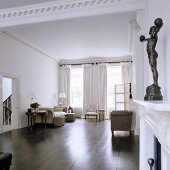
(51, 113)
(121, 117)
(5, 161)
(121, 120)
(92, 111)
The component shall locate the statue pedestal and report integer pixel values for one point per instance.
(153, 92)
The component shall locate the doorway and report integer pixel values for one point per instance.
(9, 103)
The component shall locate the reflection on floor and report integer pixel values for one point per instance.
(79, 145)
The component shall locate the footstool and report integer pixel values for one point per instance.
(59, 121)
(5, 160)
(121, 120)
(71, 117)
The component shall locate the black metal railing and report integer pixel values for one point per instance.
(7, 111)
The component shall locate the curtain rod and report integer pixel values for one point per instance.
(93, 63)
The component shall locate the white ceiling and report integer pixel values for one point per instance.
(82, 37)
(96, 36)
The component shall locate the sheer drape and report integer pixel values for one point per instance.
(126, 72)
(76, 89)
(65, 83)
(102, 87)
(86, 86)
(126, 78)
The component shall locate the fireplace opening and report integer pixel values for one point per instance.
(157, 154)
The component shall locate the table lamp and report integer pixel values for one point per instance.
(62, 96)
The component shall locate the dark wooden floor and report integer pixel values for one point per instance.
(80, 145)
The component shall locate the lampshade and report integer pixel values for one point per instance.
(62, 95)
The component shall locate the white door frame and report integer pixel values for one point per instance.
(16, 116)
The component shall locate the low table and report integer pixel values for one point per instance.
(59, 121)
(71, 117)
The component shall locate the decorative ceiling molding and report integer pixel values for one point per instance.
(97, 60)
(27, 44)
(62, 9)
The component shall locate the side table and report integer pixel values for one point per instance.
(70, 117)
(59, 121)
(44, 115)
(101, 114)
(31, 119)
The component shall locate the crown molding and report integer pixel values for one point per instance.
(97, 60)
(29, 45)
(63, 9)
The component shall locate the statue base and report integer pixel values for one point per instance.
(153, 92)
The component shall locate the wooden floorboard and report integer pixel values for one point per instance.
(79, 145)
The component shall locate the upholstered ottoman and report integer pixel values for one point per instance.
(71, 117)
(121, 120)
(5, 160)
(59, 121)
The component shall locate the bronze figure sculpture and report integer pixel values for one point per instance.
(153, 92)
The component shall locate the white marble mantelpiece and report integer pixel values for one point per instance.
(161, 106)
(154, 121)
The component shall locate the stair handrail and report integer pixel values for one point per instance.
(7, 109)
(7, 99)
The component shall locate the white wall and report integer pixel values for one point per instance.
(138, 74)
(37, 73)
(94, 36)
(156, 9)
(1, 107)
(160, 9)
(7, 88)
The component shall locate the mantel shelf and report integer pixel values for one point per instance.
(156, 115)
(154, 123)
(160, 106)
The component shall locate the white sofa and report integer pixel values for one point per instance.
(52, 112)
(59, 111)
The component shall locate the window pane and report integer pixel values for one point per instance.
(120, 97)
(120, 106)
(76, 87)
(113, 77)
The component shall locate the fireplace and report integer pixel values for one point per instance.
(157, 154)
(155, 162)
(154, 134)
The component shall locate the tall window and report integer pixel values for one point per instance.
(113, 77)
(76, 87)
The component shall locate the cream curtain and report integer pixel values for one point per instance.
(126, 79)
(65, 83)
(102, 87)
(126, 72)
(86, 86)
